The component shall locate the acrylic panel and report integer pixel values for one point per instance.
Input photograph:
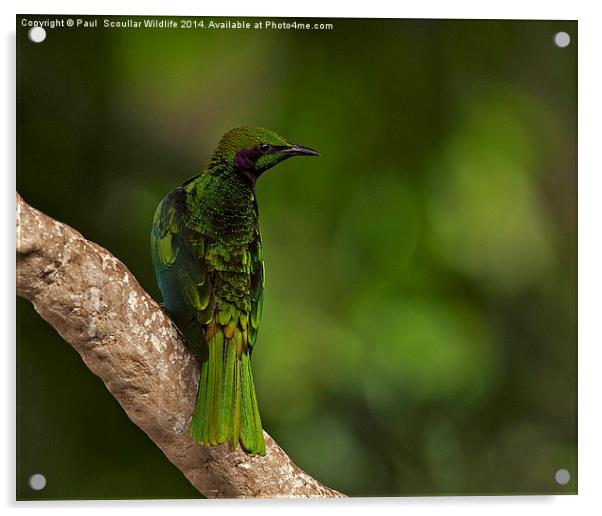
(419, 327)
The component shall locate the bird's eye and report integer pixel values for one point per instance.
(264, 147)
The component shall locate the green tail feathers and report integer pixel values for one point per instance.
(226, 408)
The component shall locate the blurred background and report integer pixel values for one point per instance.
(419, 334)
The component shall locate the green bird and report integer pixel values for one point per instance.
(208, 258)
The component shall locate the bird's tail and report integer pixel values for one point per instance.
(226, 408)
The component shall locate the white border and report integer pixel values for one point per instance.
(590, 256)
(517, 9)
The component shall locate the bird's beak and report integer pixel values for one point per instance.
(298, 150)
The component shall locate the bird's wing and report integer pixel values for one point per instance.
(257, 284)
(216, 317)
(181, 269)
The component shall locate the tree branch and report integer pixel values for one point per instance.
(125, 338)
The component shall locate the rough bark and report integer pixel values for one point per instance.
(124, 337)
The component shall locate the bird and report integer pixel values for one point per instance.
(207, 255)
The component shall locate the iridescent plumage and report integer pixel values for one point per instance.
(207, 253)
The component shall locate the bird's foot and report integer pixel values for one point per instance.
(166, 312)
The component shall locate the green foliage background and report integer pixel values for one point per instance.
(419, 331)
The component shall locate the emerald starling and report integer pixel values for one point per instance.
(208, 259)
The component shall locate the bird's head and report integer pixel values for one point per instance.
(253, 150)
